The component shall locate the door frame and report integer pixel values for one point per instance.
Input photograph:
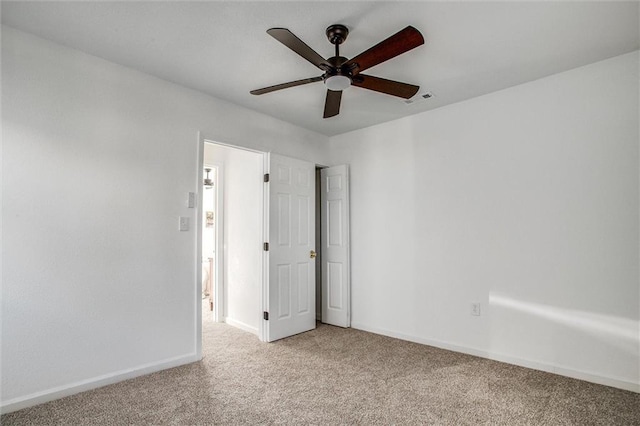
(264, 288)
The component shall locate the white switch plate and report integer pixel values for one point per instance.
(183, 224)
(191, 200)
(475, 309)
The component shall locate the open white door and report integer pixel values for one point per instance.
(291, 285)
(336, 288)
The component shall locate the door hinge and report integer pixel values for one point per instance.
(266, 246)
(266, 177)
(265, 316)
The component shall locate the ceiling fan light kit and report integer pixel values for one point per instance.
(339, 73)
(337, 82)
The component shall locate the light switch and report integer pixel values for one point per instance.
(191, 200)
(183, 224)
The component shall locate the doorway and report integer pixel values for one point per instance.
(212, 220)
(232, 229)
(272, 216)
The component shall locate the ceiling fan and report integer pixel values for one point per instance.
(340, 72)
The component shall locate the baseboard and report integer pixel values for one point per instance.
(241, 325)
(522, 362)
(93, 383)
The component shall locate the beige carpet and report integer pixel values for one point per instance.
(333, 376)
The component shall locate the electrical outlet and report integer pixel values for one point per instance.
(475, 309)
(183, 223)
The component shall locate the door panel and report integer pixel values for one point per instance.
(284, 291)
(303, 287)
(303, 224)
(284, 220)
(291, 284)
(334, 285)
(334, 198)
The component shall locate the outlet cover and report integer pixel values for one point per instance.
(475, 309)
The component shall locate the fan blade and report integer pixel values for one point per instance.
(289, 39)
(332, 103)
(382, 85)
(285, 85)
(397, 44)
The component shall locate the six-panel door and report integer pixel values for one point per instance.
(291, 289)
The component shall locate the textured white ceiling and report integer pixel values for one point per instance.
(221, 48)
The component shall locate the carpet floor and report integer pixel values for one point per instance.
(332, 376)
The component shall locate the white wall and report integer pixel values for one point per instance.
(243, 216)
(525, 200)
(98, 284)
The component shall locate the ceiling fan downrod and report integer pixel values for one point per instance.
(337, 34)
(336, 78)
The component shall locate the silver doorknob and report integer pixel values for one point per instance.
(312, 254)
